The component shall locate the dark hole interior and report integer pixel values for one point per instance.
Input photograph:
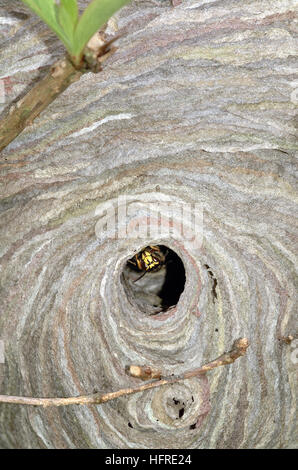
(159, 288)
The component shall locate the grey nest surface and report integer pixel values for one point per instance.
(198, 106)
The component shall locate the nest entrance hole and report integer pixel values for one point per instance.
(159, 287)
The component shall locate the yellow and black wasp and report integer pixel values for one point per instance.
(150, 259)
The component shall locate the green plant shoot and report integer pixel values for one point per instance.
(73, 30)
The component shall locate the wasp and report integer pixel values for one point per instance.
(150, 259)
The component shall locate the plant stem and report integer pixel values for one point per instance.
(239, 349)
(23, 113)
(62, 74)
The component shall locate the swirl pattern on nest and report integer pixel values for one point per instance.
(204, 113)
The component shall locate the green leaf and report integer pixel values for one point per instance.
(68, 17)
(72, 8)
(63, 19)
(94, 17)
(46, 10)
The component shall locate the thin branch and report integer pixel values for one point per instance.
(62, 74)
(239, 349)
(143, 372)
(23, 113)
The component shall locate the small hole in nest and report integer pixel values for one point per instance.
(154, 279)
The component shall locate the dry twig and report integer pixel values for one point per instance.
(143, 372)
(286, 339)
(239, 349)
